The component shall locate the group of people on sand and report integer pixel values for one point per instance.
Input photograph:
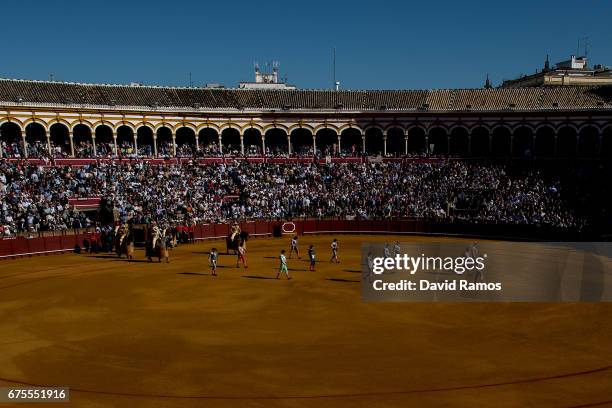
(283, 268)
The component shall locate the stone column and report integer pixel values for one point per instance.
(154, 145)
(136, 143)
(599, 143)
(173, 144)
(289, 144)
(25, 145)
(469, 144)
(363, 144)
(220, 143)
(339, 145)
(406, 143)
(115, 143)
(197, 140)
(71, 137)
(314, 144)
(48, 136)
(384, 144)
(242, 143)
(263, 145)
(93, 142)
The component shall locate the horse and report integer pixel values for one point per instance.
(161, 248)
(126, 246)
(239, 239)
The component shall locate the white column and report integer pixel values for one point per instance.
(71, 137)
(263, 144)
(48, 136)
(197, 140)
(154, 145)
(173, 144)
(93, 142)
(289, 144)
(25, 145)
(220, 142)
(406, 144)
(136, 143)
(115, 143)
(385, 144)
(339, 146)
(242, 144)
(363, 143)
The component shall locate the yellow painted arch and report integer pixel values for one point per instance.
(291, 128)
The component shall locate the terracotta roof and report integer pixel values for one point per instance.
(566, 97)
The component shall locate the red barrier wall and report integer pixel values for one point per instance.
(15, 247)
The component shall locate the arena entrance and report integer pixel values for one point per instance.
(522, 142)
(416, 140)
(351, 142)
(589, 142)
(60, 140)
(301, 142)
(396, 142)
(83, 142)
(438, 141)
(545, 142)
(165, 144)
(105, 145)
(481, 141)
(230, 139)
(327, 142)
(459, 144)
(501, 143)
(126, 141)
(276, 142)
(209, 141)
(252, 142)
(186, 142)
(374, 142)
(145, 142)
(10, 135)
(37, 142)
(567, 142)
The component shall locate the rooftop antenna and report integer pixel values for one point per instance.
(585, 41)
(334, 66)
(51, 77)
(190, 81)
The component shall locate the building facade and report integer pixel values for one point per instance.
(536, 122)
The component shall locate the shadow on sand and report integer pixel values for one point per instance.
(342, 280)
(257, 277)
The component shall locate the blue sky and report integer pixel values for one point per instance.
(380, 44)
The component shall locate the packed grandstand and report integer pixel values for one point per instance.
(277, 164)
(37, 198)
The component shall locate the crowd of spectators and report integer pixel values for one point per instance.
(36, 198)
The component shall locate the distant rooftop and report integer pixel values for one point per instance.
(575, 72)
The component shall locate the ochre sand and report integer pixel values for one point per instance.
(135, 334)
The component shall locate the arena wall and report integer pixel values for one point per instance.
(68, 241)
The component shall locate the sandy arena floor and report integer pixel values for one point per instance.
(134, 334)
